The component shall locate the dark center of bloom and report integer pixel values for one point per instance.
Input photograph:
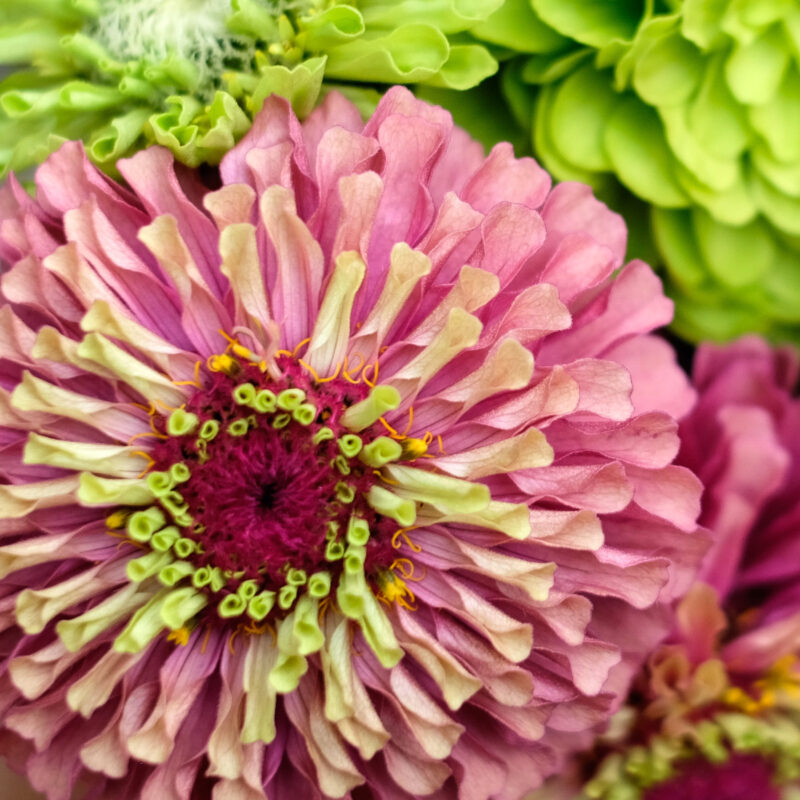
(742, 777)
(263, 494)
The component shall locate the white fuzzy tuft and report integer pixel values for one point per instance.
(151, 30)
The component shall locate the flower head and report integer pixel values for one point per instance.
(353, 472)
(720, 704)
(190, 74)
(695, 113)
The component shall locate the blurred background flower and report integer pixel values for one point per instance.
(716, 711)
(683, 110)
(190, 74)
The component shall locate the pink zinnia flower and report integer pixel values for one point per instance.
(351, 478)
(719, 703)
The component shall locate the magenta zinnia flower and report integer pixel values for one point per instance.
(719, 705)
(351, 478)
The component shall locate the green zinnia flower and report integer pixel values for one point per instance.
(694, 107)
(190, 74)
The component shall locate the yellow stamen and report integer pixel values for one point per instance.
(156, 434)
(414, 448)
(117, 519)
(304, 342)
(179, 636)
(403, 533)
(151, 462)
(394, 434)
(355, 370)
(370, 383)
(195, 381)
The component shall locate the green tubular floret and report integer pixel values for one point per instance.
(354, 558)
(143, 524)
(350, 445)
(143, 626)
(247, 589)
(351, 592)
(344, 492)
(357, 531)
(380, 451)
(259, 606)
(281, 421)
(139, 569)
(218, 579)
(306, 628)
(366, 412)
(324, 434)
(290, 399)
(181, 605)
(265, 401)
(342, 464)
(296, 577)
(181, 422)
(332, 530)
(184, 547)
(238, 427)
(305, 413)
(174, 503)
(401, 510)
(245, 394)
(334, 551)
(201, 577)
(163, 540)
(290, 665)
(180, 472)
(287, 596)
(319, 585)
(159, 483)
(208, 430)
(232, 606)
(175, 572)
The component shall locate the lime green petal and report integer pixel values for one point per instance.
(408, 54)
(714, 117)
(300, 85)
(778, 120)
(668, 72)
(736, 256)
(143, 627)
(467, 65)
(637, 148)
(700, 23)
(111, 143)
(591, 23)
(515, 25)
(331, 27)
(754, 70)
(578, 117)
(449, 16)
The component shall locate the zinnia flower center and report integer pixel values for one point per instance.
(265, 501)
